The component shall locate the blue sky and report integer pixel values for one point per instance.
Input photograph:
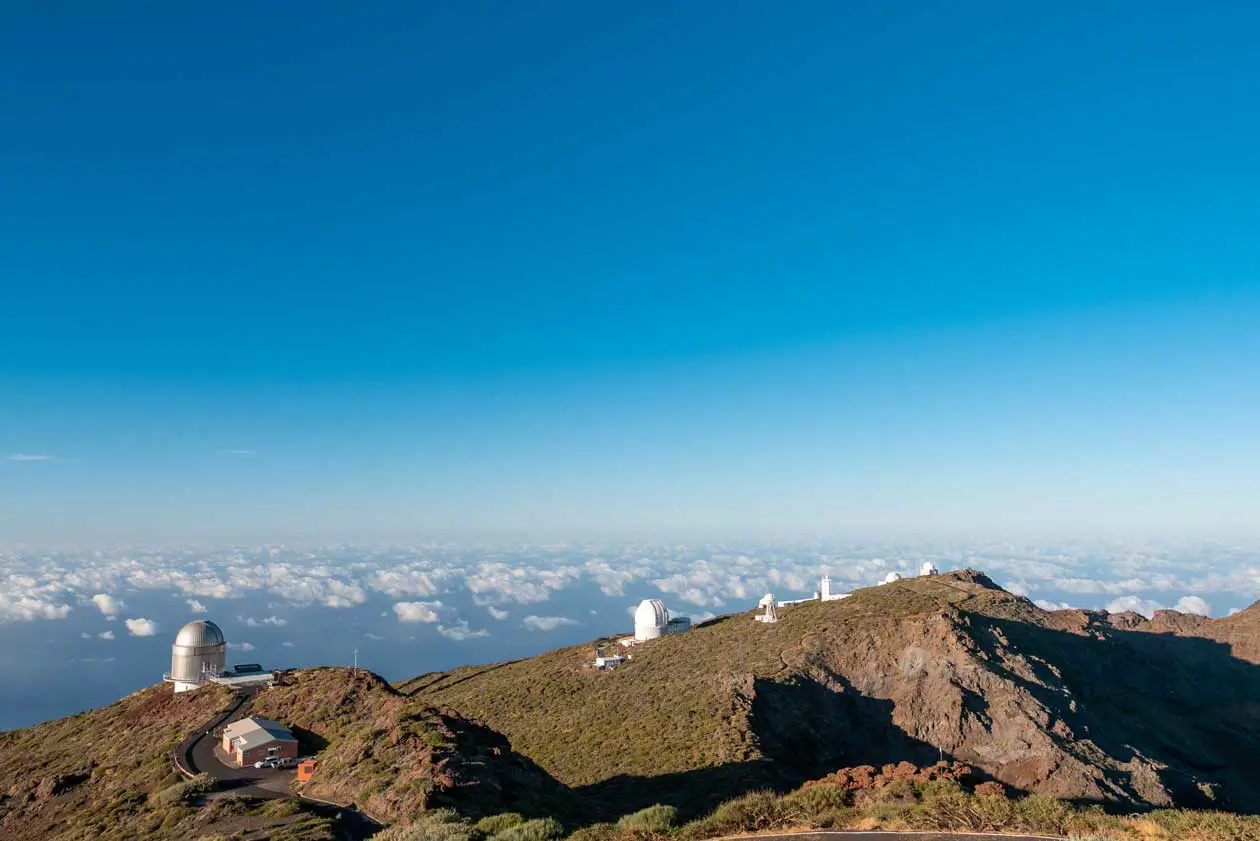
(571, 268)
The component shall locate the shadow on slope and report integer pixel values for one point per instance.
(804, 728)
(1182, 711)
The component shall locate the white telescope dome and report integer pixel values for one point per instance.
(891, 577)
(650, 619)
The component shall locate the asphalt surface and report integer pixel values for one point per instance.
(198, 753)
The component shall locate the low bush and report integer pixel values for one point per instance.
(434, 825)
(494, 824)
(754, 812)
(185, 791)
(539, 829)
(654, 820)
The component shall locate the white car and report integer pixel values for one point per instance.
(267, 763)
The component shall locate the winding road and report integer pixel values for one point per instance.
(196, 755)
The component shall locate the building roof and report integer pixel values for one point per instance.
(199, 633)
(254, 731)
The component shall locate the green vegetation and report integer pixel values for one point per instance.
(185, 791)
(539, 829)
(494, 824)
(654, 820)
(107, 775)
(936, 806)
(683, 703)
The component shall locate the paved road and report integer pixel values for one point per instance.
(198, 754)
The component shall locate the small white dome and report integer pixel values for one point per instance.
(200, 633)
(928, 568)
(891, 577)
(768, 598)
(651, 613)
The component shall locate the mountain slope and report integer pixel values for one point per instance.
(396, 756)
(97, 775)
(950, 665)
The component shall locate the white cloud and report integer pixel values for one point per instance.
(1046, 604)
(1146, 607)
(85, 635)
(418, 611)
(496, 612)
(372, 636)
(460, 631)
(251, 622)
(287, 644)
(195, 606)
(106, 635)
(108, 605)
(241, 646)
(30, 457)
(141, 627)
(546, 623)
(1015, 588)
(27, 608)
(1192, 604)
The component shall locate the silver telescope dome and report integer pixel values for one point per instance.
(199, 633)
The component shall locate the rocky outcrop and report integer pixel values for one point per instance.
(1077, 704)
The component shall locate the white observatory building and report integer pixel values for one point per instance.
(198, 655)
(652, 621)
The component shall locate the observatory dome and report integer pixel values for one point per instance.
(650, 619)
(199, 633)
(199, 652)
(891, 577)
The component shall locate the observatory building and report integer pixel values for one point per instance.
(198, 655)
(652, 621)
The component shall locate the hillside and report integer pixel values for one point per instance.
(102, 774)
(396, 756)
(98, 775)
(1072, 704)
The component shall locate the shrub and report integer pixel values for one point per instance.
(596, 832)
(810, 805)
(539, 829)
(282, 808)
(184, 791)
(654, 820)
(494, 824)
(1043, 813)
(434, 825)
(754, 812)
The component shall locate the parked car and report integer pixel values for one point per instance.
(271, 762)
(286, 762)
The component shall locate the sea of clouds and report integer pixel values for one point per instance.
(78, 629)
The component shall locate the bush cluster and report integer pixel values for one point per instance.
(185, 791)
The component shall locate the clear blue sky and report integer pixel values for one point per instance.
(330, 269)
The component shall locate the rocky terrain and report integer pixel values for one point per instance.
(395, 756)
(929, 691)
(1078, 705)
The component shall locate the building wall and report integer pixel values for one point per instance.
(283, 749)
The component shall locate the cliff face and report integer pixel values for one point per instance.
(1074, 704)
